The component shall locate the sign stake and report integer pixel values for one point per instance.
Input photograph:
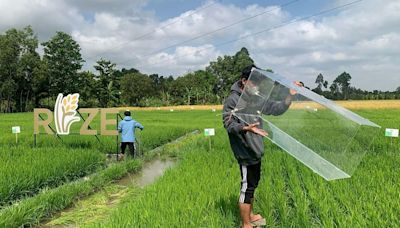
(208, 132)
(16, 130)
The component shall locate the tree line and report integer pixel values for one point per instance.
(340, 89)
(29, 80)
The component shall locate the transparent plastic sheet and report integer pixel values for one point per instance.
(327, 138)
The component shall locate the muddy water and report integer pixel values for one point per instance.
(148, 174)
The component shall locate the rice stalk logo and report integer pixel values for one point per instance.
(65, 112)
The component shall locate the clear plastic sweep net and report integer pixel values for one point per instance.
(327, 138)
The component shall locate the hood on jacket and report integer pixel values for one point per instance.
(127, 118)
(236, 88)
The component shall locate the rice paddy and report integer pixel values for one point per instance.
(201, 190)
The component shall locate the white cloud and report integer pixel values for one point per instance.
(216, 24)
(117, 7)
(185, 58)
(46, 16)
(170, 32)
(385, 44)
(361, 39)
(357, 40)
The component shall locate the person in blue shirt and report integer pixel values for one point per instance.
(127, 129)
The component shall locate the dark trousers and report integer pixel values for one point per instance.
(250, 178)
(131, 147)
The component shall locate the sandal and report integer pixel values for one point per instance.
(259, 222)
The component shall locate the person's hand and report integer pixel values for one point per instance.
(294, 92)
(253, 128)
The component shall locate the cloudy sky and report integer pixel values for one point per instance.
(172, 37)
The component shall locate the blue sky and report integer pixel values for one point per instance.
(354, 39)
(166, 9)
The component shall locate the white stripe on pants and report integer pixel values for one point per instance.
(244, 184)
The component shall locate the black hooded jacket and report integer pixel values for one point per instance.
(248, 148)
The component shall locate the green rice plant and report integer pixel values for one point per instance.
(25, 171)
(32, 210)
(56, 164)
(202, 191)
(200, 204)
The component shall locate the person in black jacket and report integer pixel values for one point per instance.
(246, 137)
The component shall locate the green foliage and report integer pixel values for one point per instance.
(227, 70)
(342, 83)
(88, 90)
(20, 69)
(320, 83)
(106, 84)
(194, 88)
(340, 89)
(135, 87)
(63, 58)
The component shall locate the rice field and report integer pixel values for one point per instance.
(203, 188)
(26, 169)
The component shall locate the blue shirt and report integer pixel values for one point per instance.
(127, 128)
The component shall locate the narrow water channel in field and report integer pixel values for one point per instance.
(100, 204)
(149, 173)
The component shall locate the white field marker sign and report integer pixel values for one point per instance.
(394, 133)
(209, 132)
(16, 130)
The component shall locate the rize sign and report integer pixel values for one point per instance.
(65, 114)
